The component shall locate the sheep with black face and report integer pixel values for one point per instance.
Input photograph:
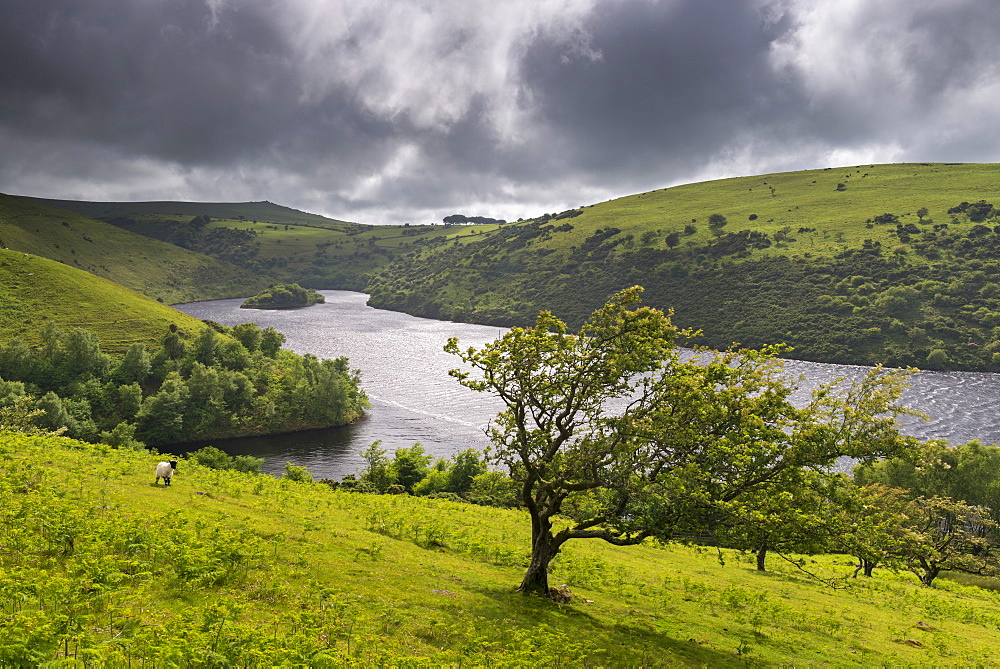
(164, 471)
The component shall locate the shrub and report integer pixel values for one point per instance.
(297, 473)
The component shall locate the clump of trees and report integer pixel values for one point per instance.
(463, 477)
(222, 382)
(455, 219)
(948, 502)
(611, 432)
(976, 211)
(283, 296)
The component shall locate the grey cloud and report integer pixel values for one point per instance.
(675, 83)
(401, 111)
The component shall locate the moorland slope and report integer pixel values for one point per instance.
(243, 211)
(269, 240)
(36, 291)
(869, 264)
(151, 267)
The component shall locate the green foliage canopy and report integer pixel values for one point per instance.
(283, 296)
(612, 430)
(213, 387)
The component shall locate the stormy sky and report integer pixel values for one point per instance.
(384, 111)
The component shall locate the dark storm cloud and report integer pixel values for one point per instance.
(402, 111)
(155, 78)
(674, 84)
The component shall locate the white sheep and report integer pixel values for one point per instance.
(164, 471)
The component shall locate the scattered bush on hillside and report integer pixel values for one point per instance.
(977, 212)
(214, 458)
(410, 469)
(886, 219)
(716, 221)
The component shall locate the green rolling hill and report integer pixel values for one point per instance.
(35, 291)
(868, 264)
(269, 240)
(151, 267)
(249, 211)
(893, 264)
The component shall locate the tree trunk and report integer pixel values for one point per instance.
(867, 565)
(930, 573)
(536, 579)
(761, 555)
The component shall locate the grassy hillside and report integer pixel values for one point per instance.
(250, 211)
(325, 259)
(101, 566)
(154, 268)
(279, 243)
(844, 264)
(35, 291)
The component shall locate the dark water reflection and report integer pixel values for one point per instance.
(405, 373)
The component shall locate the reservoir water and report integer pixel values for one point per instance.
(404, 370)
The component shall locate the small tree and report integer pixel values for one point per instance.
(949, 535)
(789, 515)
(612, 431)
(297, 473)
(410, 465)
(467, 466)
(378, 472)
(869, 525)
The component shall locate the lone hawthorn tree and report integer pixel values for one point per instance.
(611, 435)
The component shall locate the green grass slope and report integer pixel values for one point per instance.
(101, 567)
(330, 259)
(277, 242)
(807, 258)
(35, 291)
(154, 268)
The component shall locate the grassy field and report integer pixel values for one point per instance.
(35, 291)
(101, 566)
(153, 268)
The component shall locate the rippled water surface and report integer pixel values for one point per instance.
(404, 370)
